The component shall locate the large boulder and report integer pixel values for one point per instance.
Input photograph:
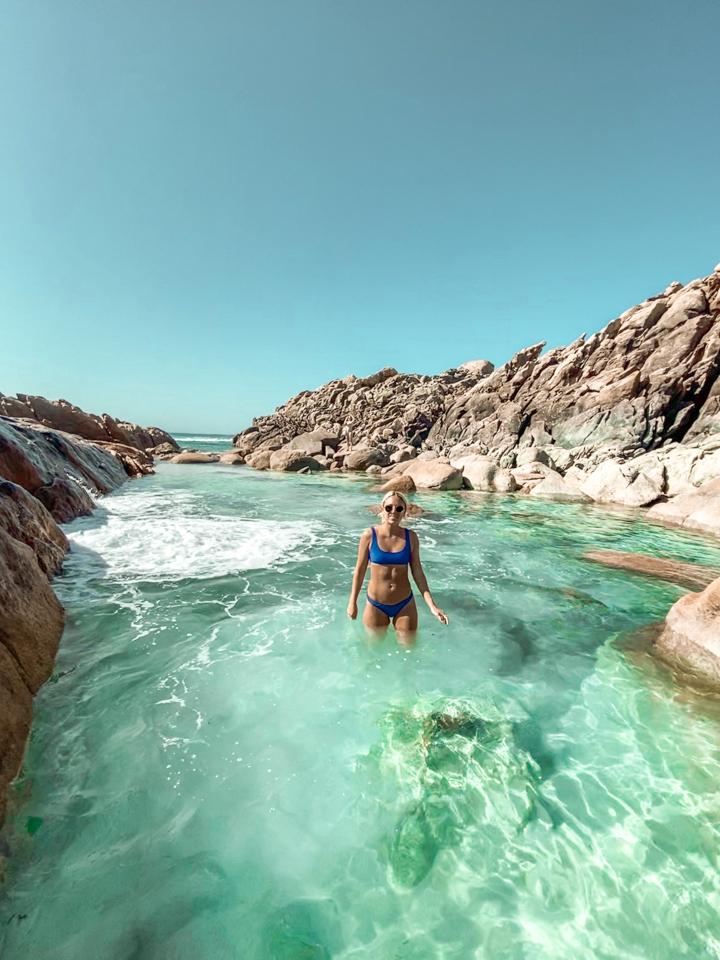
(24, 518)
(691, 635)
(65, 499)
(402, 484)
(259, 460)
(232, 457)
(292, 461)
(313, 442)
(434, 475)
(365, 457)
(161, 437)
(698, 509)
(555, 487)
(481, 368)
(478, 472)
(38, 459)
(621, 483)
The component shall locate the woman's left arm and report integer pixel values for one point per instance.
(421, 580)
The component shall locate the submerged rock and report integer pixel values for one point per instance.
(456, 769)
(675, 571)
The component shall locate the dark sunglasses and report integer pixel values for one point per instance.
(389, 509)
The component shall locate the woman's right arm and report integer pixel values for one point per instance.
(359, 575)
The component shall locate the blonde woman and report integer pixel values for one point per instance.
(390, 549)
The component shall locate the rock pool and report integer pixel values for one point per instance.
(223, 766)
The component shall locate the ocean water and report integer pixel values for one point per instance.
(204, 442)
(224, 766)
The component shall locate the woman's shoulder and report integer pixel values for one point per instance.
(367, 533)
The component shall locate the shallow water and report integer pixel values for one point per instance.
(224, 767)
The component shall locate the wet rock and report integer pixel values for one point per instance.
(675, 571)
(434, 475)
(36, 457)
(691, 635)
(189, 456)
(25, 519)
(65, 500)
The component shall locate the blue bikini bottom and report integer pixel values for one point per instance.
(390, 609)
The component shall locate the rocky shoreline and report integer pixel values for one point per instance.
(629, 416)
(55, 460)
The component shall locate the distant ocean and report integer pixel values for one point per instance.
(204, 442)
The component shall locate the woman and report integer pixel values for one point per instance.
(390, 550)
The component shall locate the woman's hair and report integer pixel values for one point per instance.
(395, 493)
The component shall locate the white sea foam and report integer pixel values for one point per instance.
(149, 537)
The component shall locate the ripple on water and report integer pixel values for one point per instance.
(224, 767)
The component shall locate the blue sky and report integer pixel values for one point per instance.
(207, 206)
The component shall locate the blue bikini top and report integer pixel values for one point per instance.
(386, 556)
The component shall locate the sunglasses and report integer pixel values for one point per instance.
(389, 509)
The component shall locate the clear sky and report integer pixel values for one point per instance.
(207, 206)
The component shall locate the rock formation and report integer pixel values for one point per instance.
(630, 415)
(47, 476)
(691, 634)
(61, 415)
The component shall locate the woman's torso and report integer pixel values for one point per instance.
(389, 579)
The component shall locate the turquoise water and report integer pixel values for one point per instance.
(225, 767)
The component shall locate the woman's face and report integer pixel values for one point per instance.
(393, 510)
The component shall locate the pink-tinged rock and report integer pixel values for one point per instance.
(260, 460)
(691, 635)
(614, 482)
(675, 571)
(292, 461)
(24, 518)
(404, 484)
(697, 510)
(504, 481)
(479, 472)
(188, 457)
(364, 458)
(434, 475)
(232, 457)
(555, 487)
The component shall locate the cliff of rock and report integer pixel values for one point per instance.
(61, 415)
(386, 407)
(647, 380)
(47, 476)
